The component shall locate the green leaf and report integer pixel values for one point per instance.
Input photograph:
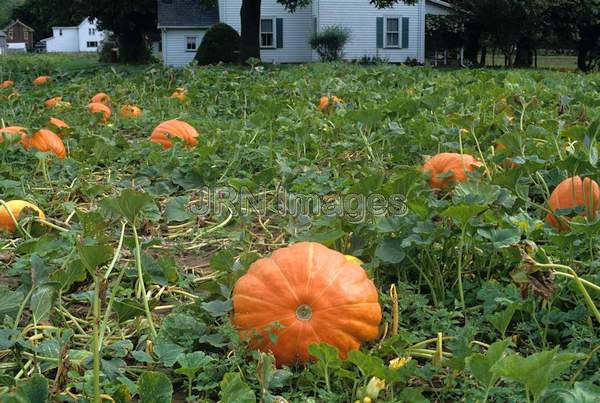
(33, 390)
(412, 395)
(175, 210)
(129, 204)
(501, 238)
(501, 320)
(94, 256)
(480, 364)
(390, 251)
(218, 308)
(167, 353)
(42, 301)
(155, 387)
(234, 390)
(127, 309)
(191, 363)
(222, 261)
(580, 393)
(10, 301)
(463, 212)
(73, 273)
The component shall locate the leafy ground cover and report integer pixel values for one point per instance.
(127, 290)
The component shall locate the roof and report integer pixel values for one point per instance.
(2, 33)
(18, 22)
(186, 13)
(441, 3)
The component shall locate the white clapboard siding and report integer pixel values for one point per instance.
(360, 18)
(174, 46)
(64, 39)
(297, 29)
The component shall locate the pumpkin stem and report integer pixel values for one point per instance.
(304, 312)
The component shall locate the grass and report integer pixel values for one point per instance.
(128, 289)
(544, 61)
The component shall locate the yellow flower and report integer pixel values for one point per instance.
(374, 386)
(399, 362)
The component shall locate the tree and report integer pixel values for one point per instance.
(42, 15)
(6, 10)
(131, 21)
(579, 21)
(250, 21)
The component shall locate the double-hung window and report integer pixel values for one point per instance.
(267, 33)
(392, 32)
(190, 43)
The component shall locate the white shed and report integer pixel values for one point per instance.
(82, 38)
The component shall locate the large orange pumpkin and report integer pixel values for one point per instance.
(452, 167)
(176, 128)
(179, 94)
(325, 102)
(52, 102)
(58, 124)
(97, 107)
(6, 84)
(15, 207)
(41, 80)
(130, 111)
(12, 132)
(45, 141)
(570, 194)
(314, 294)
(101, 98)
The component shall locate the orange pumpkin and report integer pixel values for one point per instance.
(59, 124)
(101, 98)
(570, 194)
(176, 128)
(97, 107)
(315, 295)
(41, 80)
(130, 111)
(456, 165)
(6, 84)
(16, 207)
(45, 141)
(180, 94)
(325, 102)
(12, 132)
(52, 102)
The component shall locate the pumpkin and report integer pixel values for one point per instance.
(6, 84)
(572, 193)
(130, 111)
(314, 294)
(58, 124)
(16, 207)
(11, 132)
(452, 167)
(97, 107)
(52, 102)
(45, 141)
(176, 128)
(41, 80)
(180, 94)
(325, 102)
(101, 98)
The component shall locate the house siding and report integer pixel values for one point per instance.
(67, 42)
(297, 28)
(360, 18)
(85, 37)
(174, 46)
(17, 32)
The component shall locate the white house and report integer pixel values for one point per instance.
(394, 34)
(83, 38)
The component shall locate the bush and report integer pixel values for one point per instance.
(108, 50)
(221, 43)
(329, 43)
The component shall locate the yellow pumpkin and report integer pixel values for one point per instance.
(16, 207)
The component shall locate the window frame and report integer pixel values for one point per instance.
(60, 32)
(386, 32)
(88, 44)
(273, 33)
(187, 38)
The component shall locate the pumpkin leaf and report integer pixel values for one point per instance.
(155, 387)
(129, 204)
(234, 390)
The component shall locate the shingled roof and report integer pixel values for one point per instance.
(186, 13)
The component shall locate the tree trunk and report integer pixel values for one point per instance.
(483, 60)
(472, 44)
(250, 19)
(524, 56)
(132, 46)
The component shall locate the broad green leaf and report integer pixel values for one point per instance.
(191, 363)
(155, 387)
(94, 256)
(218, 308)
(33, 390)
(501, 238)
(129, 204)
(463, 212)
(480, 364)
(127, 309)
(167, 353)
(500, 320)
(580, 393)
(42, 301)
(175, 210)
(390, 251)
(234, 390)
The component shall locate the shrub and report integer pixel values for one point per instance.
(330, 42)
(221, 43)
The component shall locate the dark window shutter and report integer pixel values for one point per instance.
(380, 32)
(405, 31)
(279, 33)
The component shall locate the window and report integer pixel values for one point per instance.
(267, 33)
(190, 43)
(91, 31)
(60, 32)
(26, 35)
(10, 34)
(92, 44)
(392, 32)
